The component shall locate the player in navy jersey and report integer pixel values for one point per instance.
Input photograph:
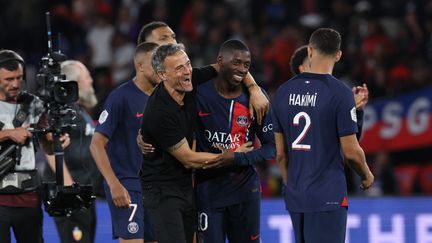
(228, 198)
(315, 124)
(116, 153)
(299, 64)
(159, 32)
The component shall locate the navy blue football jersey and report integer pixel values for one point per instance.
(313, 111)
(226, 123)
(119, 122)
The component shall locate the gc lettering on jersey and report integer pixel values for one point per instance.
(302, 99)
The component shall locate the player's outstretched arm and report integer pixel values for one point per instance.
(281, 156)
(189, 158)
(266, 151)
(258, 101)
(356, 159)
(119, 194)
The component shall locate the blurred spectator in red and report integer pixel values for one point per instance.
(279, 52)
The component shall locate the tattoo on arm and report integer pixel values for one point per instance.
(177, 145)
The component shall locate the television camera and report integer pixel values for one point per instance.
(58, 94)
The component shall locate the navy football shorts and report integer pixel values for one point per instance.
(240, 223)
(327, 226)
(130, 223)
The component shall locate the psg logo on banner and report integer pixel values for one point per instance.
(242, 120)
(398, 123)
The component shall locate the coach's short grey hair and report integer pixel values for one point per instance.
(163, 52)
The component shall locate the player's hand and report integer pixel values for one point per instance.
(361, 96)
(224, 159)
(258, 102)
(20, 135)
(120, 195)
(145, 148)
(244, 148)
(367, 182)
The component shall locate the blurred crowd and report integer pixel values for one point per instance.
(387, 44)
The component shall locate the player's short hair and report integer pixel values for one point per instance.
(145, 47)
(327, 41)
(162, 52)
(231, 45)
(297, 59)
(147, 29)
(10, 60)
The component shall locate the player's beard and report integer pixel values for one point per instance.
(88, 98)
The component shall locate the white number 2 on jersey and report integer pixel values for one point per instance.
(296, 145)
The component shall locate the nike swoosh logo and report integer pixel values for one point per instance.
(201, 114)
(139, 115)
(255, 237)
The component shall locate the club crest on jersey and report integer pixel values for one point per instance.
(242, 120)
(133, 227)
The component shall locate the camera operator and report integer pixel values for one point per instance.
(79, 164)
(20, 205)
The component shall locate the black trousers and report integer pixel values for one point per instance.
(26, 224)
(79, 227)
(172, 211)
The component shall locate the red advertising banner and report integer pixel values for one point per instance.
(399, 123)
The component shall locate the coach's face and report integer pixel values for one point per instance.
(235, 66)
(178, 72)
(10, 83)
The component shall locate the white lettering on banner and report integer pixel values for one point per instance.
(392, 120)
(369, 118)
(418, 116)
(423, 229)
(353, 222)
(283, 224)
(396, 234)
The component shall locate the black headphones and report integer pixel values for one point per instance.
(9, 55)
